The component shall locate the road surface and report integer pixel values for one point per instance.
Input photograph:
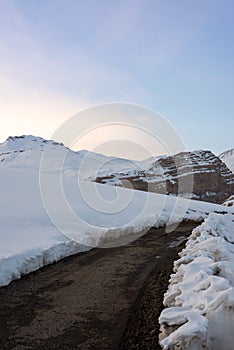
(101, 299)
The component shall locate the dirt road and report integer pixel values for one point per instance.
(102, 299)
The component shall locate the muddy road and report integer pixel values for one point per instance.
(101, 299)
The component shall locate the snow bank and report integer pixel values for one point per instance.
(23, 261)
(41, 224)
(200, 297)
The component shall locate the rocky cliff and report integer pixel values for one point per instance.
(200, 173)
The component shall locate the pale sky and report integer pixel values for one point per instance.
(176, 57)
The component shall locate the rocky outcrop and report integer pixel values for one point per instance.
(199, 173)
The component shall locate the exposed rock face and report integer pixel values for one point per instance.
(200, 173)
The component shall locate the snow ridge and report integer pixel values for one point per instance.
(200, 298)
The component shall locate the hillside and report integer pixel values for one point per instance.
(28, 151)
(199, 173)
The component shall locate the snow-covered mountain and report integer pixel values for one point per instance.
(228, 158)
(31, 152)
(25, 151)
(211, 179)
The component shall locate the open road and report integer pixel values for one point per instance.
(102, 299)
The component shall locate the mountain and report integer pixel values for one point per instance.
(212, 180)
(228, 158)
(32, 152)
(25, 151)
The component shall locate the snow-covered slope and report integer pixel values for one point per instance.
(200, 297)
(41, 222)
(26, 152)
(228, 158)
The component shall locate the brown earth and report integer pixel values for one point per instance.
(101, 299)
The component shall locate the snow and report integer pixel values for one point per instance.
(26, 151)
(200, 298)
(228, 158)
(229, 202)
(28, 240)
(43, 221)
(48, 212)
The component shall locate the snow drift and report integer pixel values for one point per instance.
(200, 298)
